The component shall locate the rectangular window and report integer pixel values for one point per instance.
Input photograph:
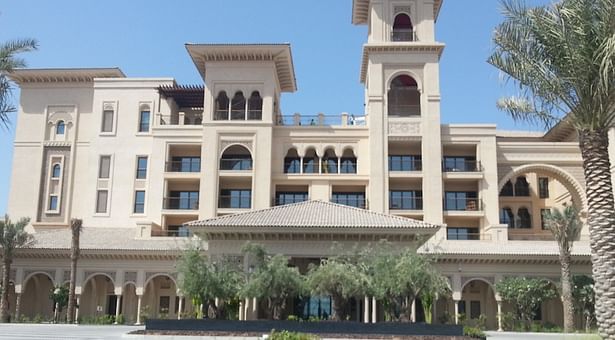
(543, 187)
(474, 309)
(462, 234)
(141, 167)
(183, 200)
(461, 201)
(144, 121)
(53, 203)
(406, 200)
(282, 198)
(101, 201)
(235, 198)
(164, 304)
(543, 218)
(353, 199)
(459, 164)
(185, 164)
(292, 165)
(104, 167)
(139, 207)
(405, 163)
(107, 121)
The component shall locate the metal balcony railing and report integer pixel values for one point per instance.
(462, 204)
(234, 202)
(353, 202)
(406, 165)
(180, 119)
(193, 165)
(461, 166)
(287, 200)
(399, 110)
(236, 164)
(180, 203)
(403, 35)
(415, 203)
(468, 237)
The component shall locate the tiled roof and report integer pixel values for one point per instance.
(316, 214)
(93, 238)
(519, 248)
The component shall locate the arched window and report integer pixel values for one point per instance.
(292, 162)
(507, 190)
(255, 106)
(404, 97)
(507, 217)
(348, 162)
(524, 219)
(60, 127)
(56, 171)
(236, 157)
(238, 106)
(329, 162)
(310, 162)
(402, 28)
(522, 187)
(221, 106)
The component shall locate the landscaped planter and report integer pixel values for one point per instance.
(321, 327)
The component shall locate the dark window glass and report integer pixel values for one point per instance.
(183, 200)
(543, 187)
(235, 198)
(348, 165)
(460, 164)
(221, 106)
(462, 307)
(185, 164)
(141, 167)
(310, 165)
(406, 200)
(144, 121)
(353, 199)
(57, 170)
(292, 165)
(139, 207)
(164, 304)
(282, 198)
(474, 309)
(313, 307)
(238, 106)
(178, 231)
(236, 162)
(53, 203)
(60, 128)
(101, 201)
(329, 165)
(255, 106)
(404, 98)
(404, 163)
(461, 201)
(507, 190)
(524, 219)
(522, 187)
(462, 234)
(507, 217)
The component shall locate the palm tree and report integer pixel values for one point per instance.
(9, 62)
(12, 236)
(562, 58)
(565, 226)
(75, 226)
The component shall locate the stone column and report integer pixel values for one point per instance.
(366, 310)
(456, 312)
(118, 301)
(374, 310)
(246, 306)
(254, 309)
(139, 300)
(413, 307)
(180, 307)
(78, 300)
(499, 315)
(241, 316)
(17, 306)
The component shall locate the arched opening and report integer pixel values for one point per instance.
(329, 162)
(507, 217)
(404, 98)
(524, 219)
(160, 298)
(292, 162)
(238, 106)
(129, 303)
(310, 162)
(222, 106)
(348, 163)
(402, 28)
(255, 106)
(98, 297)
(507, 190)
(60, 127)
(236, 158)
(478, 302)
(522, 187)
(56, 171)
(35, 301)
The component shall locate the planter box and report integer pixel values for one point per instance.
(321, 327)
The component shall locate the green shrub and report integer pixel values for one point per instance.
(38, 318)
(474, 332)
(286, 335)
(293, 318)
(120, 319)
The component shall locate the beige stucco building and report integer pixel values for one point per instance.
(136, 158)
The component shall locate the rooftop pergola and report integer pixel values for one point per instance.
(192, 96)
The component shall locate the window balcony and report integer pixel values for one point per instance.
(357, 202)
(460, 164)
(180, 203)
(403, 35)
(190, 165)
(462, 204)
(405, 164)
(243, 201)
(290, 198)
(402, 111)
(405, 203)
(173, 231)
(466, 234)
(236, 164)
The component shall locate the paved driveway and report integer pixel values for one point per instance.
(68, 332)
(539, 336)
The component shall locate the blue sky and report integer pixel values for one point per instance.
(146, 39)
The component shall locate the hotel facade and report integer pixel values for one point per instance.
(147, 163)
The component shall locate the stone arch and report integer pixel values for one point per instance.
(413, 75)
(92, 275)
(159, 275)
(561, 175)
(159, 299)
(32, 274)
(482, 279)
(98, 295)
(35, 301)
(246, 146)
(479, 292)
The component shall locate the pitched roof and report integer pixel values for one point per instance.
(314, 214)
(94, 238)
(512, 248)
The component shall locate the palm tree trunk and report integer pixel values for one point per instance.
(601, 220)
(567, 293)
(4, 301)
(74, 256)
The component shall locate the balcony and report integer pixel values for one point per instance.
(406, 203)
(404, 111)
(466, 234)
(290, 198)
(358, 202)
(321, 120)
(173, 231)
(236, 164)
(462, 204)
(457, 164)
(399, 35)
(240, 201)
(180, 203)
(189, 165)
(399, 164)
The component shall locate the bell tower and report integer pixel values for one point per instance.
(400, 71)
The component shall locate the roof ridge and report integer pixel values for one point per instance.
(217, 218)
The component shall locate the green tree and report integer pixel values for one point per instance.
(526, 295)
(562, 58)
(12, 237)
(203, 279)
(584, 299)
(75, 227)
(9, 61)
(565, 226)
(59, 296)
(275, 282)
(339, 278)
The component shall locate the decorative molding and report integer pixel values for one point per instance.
(467, 279)
(66, 276)
(57, 143)
(150, 275)
(130, 277)
(90, 274)
(248, 144)
(404, 128)
(49, 272)
(403, 9)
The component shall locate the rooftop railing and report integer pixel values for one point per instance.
(180, 118)
(321, 119)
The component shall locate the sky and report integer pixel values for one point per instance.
(146, 38)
